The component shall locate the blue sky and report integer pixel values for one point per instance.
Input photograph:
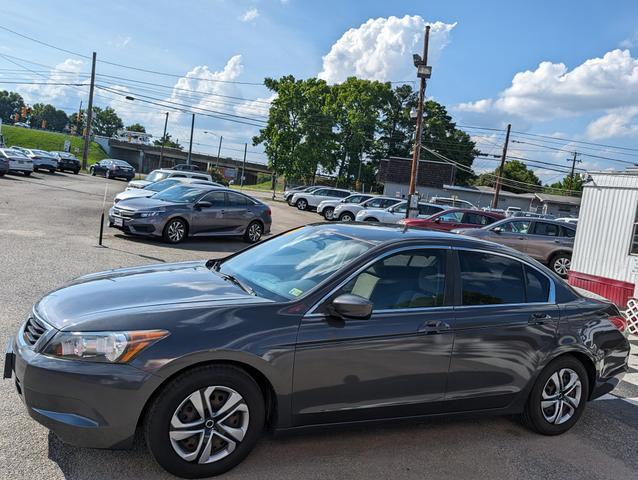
(586, 89)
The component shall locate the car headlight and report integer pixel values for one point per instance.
(108, 347)
(152, 213)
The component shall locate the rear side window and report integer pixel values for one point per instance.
(488, 279)
(518, 226)
(477, 219)
(537, 285)
(428, 210)
(546, 229)
(568, 232)
(339, 194)
(237, 201)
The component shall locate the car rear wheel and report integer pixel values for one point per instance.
(253, 233)
(346, 217)
(75, 172)
(92, 171)
(27, 174)
(558, 398)
(36, 169)
(175, 230)
(328, 213)
(302, 204)
(205, 421)
(561, 263)
(108, 174)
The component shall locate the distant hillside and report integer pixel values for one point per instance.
(29, 138)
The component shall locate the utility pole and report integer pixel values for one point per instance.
(89, 115)
(497, 187)
(163, 141)
(79, 118)
(219, 151)
(423, 72)
(574, 160)
(190, 144)
(243, 166)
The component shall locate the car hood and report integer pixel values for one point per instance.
(145, 203)
(128, 290)
(135, 193)
(138, 183)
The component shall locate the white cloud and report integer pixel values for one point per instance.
(620, 122)
(382, 48)
(599, 85)
(249, 15)
(255, 108)
(58, 90)
(630, 42)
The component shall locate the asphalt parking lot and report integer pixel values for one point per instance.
(48, 235)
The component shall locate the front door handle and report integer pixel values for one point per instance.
(434, 326)
(539, 318)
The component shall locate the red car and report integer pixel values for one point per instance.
(454, 218)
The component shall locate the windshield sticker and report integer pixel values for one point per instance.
(295, 291)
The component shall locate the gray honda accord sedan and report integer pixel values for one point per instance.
(193, 210)
(324, 324)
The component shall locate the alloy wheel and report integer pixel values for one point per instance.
(346, 217)
(328, 213)
(561, 396)
(209, 424)
(302, 204)
(562, 265)
(254, 232)
(176, 231)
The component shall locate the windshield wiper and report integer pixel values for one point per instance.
(236, 281)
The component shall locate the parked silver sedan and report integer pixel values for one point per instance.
(155, 187)
(193, 210)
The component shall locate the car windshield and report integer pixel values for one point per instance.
(121, 163)
(15, 153)
(291, 264)
(156, 176)
(180, 194)
(162, 185)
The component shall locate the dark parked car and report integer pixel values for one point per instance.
(324, 324)
(68, 162)
(549, 241)
(4, 164)
(454, 218)
(113, 168)
(193, 210)
(187, 167)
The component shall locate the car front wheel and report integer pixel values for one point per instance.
(346, 217)
(558, 397)
(561, 263)
(302, 204)
(92, 171)
(27, 174)
(205, 421)
(175, 230)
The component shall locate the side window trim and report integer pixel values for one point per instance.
(458, 293)
(449, 303)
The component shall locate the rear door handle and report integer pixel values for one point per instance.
(539, 318)
(434, 326)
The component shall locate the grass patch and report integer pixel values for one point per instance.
(50, 141)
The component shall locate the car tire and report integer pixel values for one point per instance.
(175, 231)
(27, 174)
(302, 204)
(108, 174)
(230, 437)
(2, 174)
(560, 263)
(328, 213)
(36, 169)
(558, 397)
(52, 170)
(346, 217)
(75, 172)
(92, 171)
(254, 231)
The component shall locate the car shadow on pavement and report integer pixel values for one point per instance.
(202, 244)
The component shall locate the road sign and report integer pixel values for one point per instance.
(67, 145)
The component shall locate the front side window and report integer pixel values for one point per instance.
(519, 226)
(156, 176)
(488, 279)
(476, 219)
(400, 208)
(179, 194)
(217, 199)
(291, 264)
(321, 191)
(413, 279)
(374, 203)
(451, 217)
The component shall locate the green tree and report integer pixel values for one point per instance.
(54, 119)
(566, 186)
(136, 127)
(168, 142)
(106, 122)
(396, 128)
(78, 122)
(298, 138)
(516, 171)
(10, 103)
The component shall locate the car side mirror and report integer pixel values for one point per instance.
(437, 220)
(203, 204)
(497, 229)
(351, 306)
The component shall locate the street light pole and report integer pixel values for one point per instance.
(219, 151)
(243, 166)
(190, 144)
(89, 115)
(423, 72)
(497, 187)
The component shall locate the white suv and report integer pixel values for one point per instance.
(163, 173)
(397, 212)
(311, 200)
(327, 207)
(348, 212)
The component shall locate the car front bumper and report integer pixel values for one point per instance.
(85, 404)
(45, 165)
(139, 226)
